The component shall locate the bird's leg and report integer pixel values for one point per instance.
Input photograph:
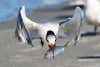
(42, 43)
(95, 29)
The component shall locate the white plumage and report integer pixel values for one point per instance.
(43, 28)
(48, 31)
(92, 12)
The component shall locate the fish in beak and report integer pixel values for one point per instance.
(52, 47)
(57, 50)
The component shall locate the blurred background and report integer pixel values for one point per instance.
(16, 54)
(9, 8)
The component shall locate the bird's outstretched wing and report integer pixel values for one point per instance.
(71, 26)
(28, 23)
(25, 26)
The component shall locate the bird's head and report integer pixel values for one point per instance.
(51, 40)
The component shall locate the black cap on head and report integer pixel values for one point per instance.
(50, 33)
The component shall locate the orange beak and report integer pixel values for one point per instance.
(52, 47)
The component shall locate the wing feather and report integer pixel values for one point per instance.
(72, 26)
(28, 23)
(30, 27)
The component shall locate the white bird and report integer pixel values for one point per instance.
(92, 12)
(48, 32)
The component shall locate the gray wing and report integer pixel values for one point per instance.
(70, 28)
(30, 26)
(25, 30)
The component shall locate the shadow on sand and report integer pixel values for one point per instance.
(90, 34)
(89, 57)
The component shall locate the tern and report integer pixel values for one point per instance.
(92, 12)
(48, 31)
